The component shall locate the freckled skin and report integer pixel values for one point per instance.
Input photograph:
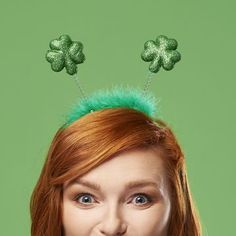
(114, 212)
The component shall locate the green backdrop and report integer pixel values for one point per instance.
(197, 97)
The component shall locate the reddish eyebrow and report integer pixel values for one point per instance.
(129, 185)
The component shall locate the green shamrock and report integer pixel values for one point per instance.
(65, 53)
(161, 53)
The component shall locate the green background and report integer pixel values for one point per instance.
(197, 97)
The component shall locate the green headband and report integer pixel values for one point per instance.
(116, 97)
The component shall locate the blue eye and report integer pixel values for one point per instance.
(85, 198)
(142, 199)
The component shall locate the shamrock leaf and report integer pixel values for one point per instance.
(65, 53)
(161, 52)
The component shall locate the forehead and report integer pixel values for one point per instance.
(135, 162)
(129, 166)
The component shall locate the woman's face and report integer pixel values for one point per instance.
(127, 195)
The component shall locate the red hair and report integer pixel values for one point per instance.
(92, 140)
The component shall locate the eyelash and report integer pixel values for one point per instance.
(148, 197)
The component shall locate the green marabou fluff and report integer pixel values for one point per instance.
(118, 96)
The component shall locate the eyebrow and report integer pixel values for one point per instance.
(130, 185)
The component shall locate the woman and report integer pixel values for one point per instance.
(114, 172)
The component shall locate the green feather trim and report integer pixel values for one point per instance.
(116, 97)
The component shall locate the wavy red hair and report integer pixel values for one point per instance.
(94, 139)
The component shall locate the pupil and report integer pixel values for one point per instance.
(86, 199)
(138, 199)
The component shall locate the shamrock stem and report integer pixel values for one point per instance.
(78, 84)
(80, 88)
(148, 82)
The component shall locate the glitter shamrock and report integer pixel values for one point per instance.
(161, 52)
(65, 53)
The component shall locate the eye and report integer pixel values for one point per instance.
(142, 199)
(84, 198)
